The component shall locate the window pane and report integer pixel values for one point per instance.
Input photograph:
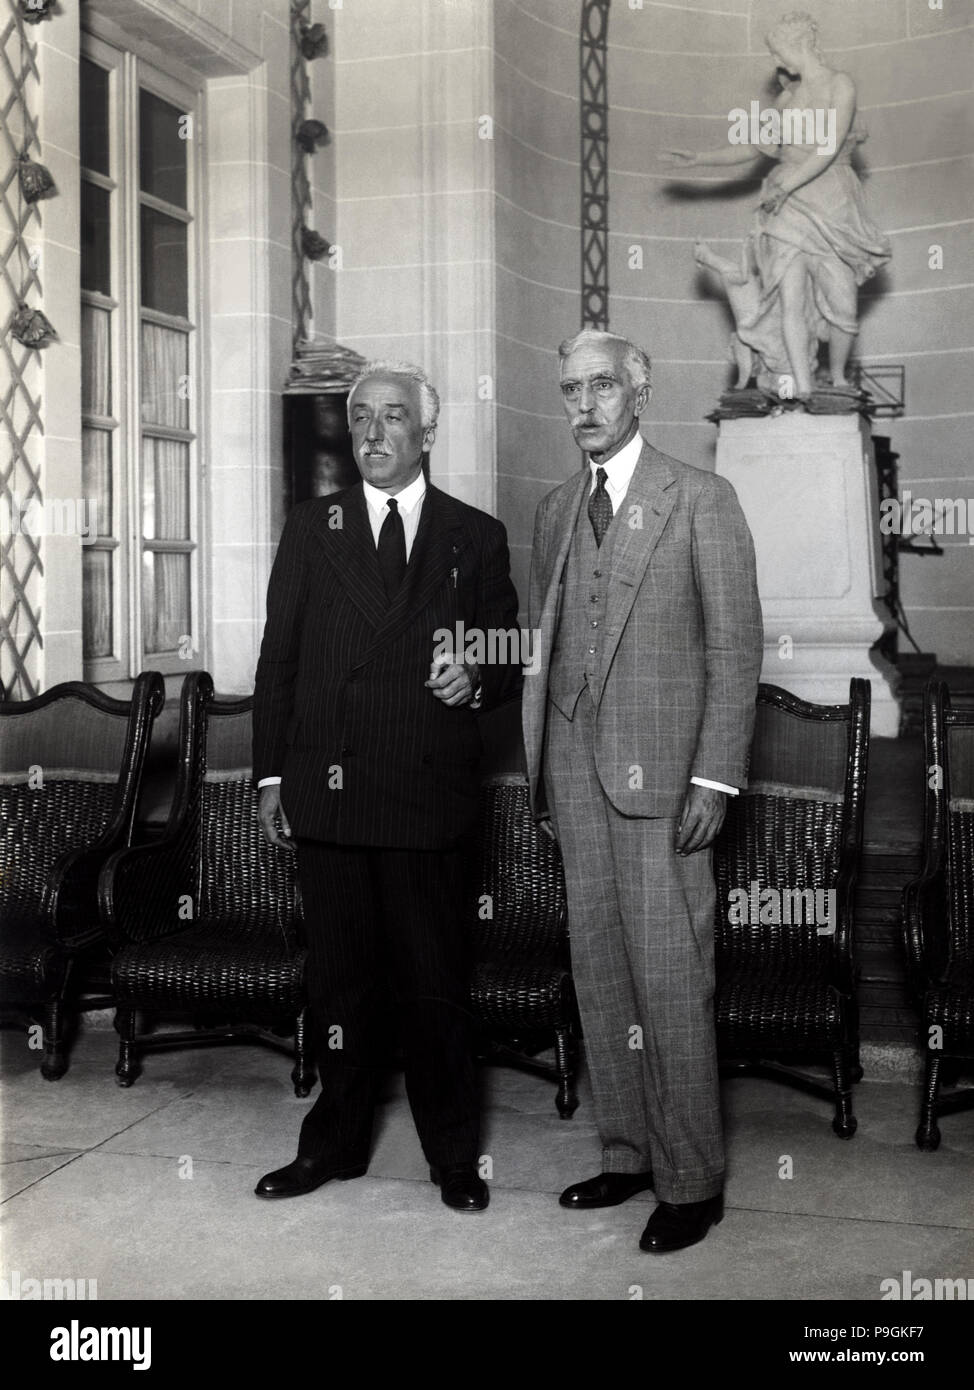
(97, 602)
(164, 363)
(96, 476)
(165, 601)
(162, 153)
(164, 263)
(165, 497)
(96, 270)
(94, 117)
(96, 361)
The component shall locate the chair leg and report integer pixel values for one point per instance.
(928, 1132)
(845, 1123)
(127, 1067)
(566, 1098)
(303, 1072)
(55, 1062)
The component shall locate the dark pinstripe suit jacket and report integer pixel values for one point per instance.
(368, 755)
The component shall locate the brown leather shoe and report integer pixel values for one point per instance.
(462, 1187)
(607, 1190)
(304, 1175)
(674, 1226)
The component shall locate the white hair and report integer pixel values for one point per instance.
(634, 359)
(429, 401)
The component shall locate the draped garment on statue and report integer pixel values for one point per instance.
(826, 224)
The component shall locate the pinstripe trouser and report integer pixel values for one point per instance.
(383, 927)
(641, 921)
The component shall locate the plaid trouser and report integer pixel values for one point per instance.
(642, 939)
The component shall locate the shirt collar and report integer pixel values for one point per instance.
(621, 467)
(409, 498)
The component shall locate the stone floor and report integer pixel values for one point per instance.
(149, 1191)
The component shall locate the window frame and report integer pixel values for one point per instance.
(130, 72)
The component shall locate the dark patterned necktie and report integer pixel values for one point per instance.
(391, 549)
(600, 507)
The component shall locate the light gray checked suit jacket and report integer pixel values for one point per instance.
(683, 643)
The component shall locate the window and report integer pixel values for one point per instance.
(139, 357)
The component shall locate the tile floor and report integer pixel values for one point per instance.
(93, 1187)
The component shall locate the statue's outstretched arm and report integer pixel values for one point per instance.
(727, 154)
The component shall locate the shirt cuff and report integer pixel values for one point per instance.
(268, 782)
(716, 786)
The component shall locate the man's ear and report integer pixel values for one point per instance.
(429, 436)
(642, 399)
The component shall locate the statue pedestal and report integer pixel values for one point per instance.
(808, 489)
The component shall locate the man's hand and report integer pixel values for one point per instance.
(453, 684)
(545, 826)
(270, 812)
(701, 818)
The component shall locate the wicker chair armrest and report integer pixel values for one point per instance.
(926, 931)
(143, 891)
(71, 893)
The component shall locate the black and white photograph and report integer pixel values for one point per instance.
(487, 667)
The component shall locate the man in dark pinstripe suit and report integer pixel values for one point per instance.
(366, 749)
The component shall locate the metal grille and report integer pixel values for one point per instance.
(21, 566)
(300, 184)
(595, 163)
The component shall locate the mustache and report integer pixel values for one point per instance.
(374, 451)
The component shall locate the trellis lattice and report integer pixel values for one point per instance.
(21, 562)
(593, 55)
(300, 183)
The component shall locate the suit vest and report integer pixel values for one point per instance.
(576, 660)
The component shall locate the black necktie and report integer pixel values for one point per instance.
(391, 549)
(600, 507)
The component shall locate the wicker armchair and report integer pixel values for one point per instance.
(938, 910)
(786, 988)
(521, 986)
(71, 764)
(205, 921)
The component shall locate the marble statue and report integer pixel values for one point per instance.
(812, 243)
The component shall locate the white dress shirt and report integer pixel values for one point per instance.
(618, 471)
(618, 475)
(410, 509)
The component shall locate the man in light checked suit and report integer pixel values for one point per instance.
(637, 723)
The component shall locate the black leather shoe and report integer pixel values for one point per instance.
(461, 1187)
(673, 1227)
(607, 1190)
(303, 1175)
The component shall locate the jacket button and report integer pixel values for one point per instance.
(427, 758)
(346, 751)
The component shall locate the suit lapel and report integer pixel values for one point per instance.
(562, 520)
(651, 490)
(439, 542)
(350, 548)
(560, 523)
